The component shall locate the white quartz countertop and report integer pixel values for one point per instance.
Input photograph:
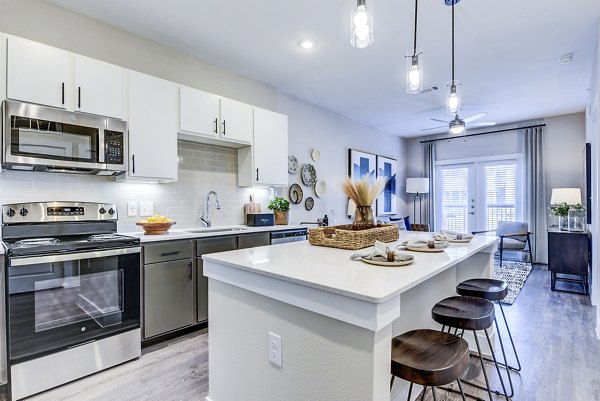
(184, 233)
(332, 270)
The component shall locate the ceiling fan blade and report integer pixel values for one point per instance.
(439, 121)
(429, 129)
(474, 117)
(483, 124)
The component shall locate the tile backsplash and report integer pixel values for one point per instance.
(202, 168)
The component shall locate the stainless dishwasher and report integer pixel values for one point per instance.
(291, 235)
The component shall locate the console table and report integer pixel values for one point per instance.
(568, 254)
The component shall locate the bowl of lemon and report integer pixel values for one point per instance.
(156, 225)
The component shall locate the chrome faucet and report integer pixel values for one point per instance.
(206, 215)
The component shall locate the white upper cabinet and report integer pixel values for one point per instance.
(98, 87)
(236, 121)
(265, 162)
(45, 75)
(38, 73)
(152, 116)
(198, 112)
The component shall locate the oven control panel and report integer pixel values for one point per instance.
(57, 212)
(65, 211)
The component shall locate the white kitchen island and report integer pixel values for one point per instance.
(336, 317)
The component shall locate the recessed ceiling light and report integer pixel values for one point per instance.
(567, 58)
(307, 44)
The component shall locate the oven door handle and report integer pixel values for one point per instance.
(72, 256)
(122, 277)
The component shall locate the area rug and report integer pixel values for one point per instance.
(515, 274)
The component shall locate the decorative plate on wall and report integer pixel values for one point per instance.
(315, 155)
(309, 175)
(309, 203)
(296, 194)
(320, 188)
(292, 164)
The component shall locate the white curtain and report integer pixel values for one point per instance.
(535, 192)
(429, 171)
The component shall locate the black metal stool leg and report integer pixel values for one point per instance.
(497, 367)
(505, 365)
(487, 382)
(462, 393)
(511, 340)
(424, 391)
(433, 393)
(392, 382)
(409, 392)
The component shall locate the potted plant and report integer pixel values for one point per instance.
(280, 208)
(561, 210)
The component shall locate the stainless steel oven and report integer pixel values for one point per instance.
(54, 140)
(73, 293)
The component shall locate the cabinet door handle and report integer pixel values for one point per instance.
(170, 253)
(62, 90)
(133, 164)
(256, 175)
(79, 97)
(216, 125)
(190, 271)
(223, 127)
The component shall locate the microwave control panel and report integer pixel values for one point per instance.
(113, 147)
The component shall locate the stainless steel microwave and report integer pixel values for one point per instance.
(40, 138)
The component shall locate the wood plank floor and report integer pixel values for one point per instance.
(554, 333)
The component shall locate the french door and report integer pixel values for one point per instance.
(474, 196)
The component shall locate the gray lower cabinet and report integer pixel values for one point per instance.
(168, 288)
(204, 246)
(254, 240)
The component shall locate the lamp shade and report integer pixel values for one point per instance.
(417, 185)
(570, 196)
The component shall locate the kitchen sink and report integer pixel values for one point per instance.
(215, 230)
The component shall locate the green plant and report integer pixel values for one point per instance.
(562, 209)
(279, 205)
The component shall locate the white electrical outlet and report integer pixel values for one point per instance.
(146, 208)
(132, 209)
(275, 349)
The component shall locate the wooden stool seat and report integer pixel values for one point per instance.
(463, 312)
(429, 357)
(487, 288)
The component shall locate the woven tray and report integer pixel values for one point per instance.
(345, 237)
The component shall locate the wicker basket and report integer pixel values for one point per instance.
(345, 237)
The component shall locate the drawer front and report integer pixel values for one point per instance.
(167, 251)
(217, 244)
(254, 240)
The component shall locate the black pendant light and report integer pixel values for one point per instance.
(456, 126)
(414, 63)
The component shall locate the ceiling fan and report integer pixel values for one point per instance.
(464, 121)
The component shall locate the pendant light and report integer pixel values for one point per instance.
(414, 63)
(361, 24)
(453, 104)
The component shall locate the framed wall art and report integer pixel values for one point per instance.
(386, 202)
(361, 164)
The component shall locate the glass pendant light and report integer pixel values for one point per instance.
(361, 23)
(457, 126)
(414, 64)
(453, 104)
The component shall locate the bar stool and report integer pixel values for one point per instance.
(473, 314)
(495, 291)
(430, 358)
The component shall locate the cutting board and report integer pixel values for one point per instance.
(251, 207)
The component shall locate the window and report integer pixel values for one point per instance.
(475, 196)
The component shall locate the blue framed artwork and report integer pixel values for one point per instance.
(361, 164)
(386, 202)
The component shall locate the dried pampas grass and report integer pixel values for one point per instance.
(363, 192)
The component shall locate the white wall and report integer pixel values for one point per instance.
(309, 126)
(592, 126)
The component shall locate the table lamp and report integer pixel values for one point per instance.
(570, 196)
